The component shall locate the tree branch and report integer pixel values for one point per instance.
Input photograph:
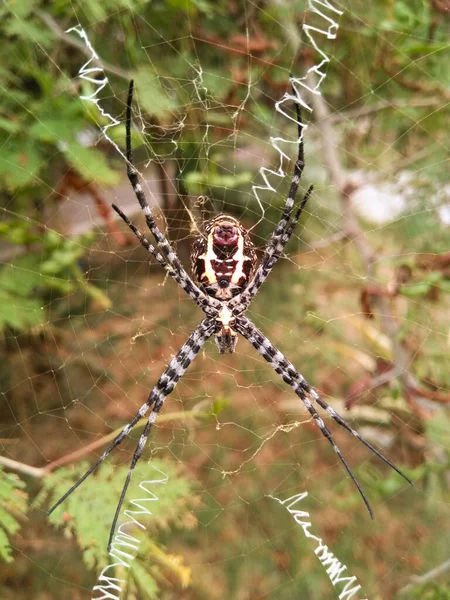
(364, 111)
(416, 581)
(18, 467)
(352, 230)
(39, 472)
(72, 41)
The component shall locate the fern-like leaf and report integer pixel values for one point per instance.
(13, 504)
(87, 514)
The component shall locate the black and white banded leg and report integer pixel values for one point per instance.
(224, 316)
(133, 177)
(270, 258)
(283, 231)
(292, 377)
(192, 290)
(155, 400)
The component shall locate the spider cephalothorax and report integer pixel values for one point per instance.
(223, 262)
(223, 259)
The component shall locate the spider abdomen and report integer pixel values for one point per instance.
(223, 260)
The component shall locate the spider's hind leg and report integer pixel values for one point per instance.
(292, 377)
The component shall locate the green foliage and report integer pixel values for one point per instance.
(427, 283)
(32, 146)
(27, 281)
(197, 182)
(87, 514)
(431, 591)
(437, 432)
(218, 406)
(144, 581)
(13, 506)
(379, 486)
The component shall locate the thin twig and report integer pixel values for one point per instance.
(395, 71)
(384, 378)
(364, 111)
(72, 41)
(39, 472)
(366, 253)
(18, 467)
(416, 581)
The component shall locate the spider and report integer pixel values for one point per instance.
(224, 265)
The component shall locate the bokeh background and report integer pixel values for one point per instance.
(359, 303)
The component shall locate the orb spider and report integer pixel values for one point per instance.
(224, 263)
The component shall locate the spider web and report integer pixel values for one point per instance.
(358, 302)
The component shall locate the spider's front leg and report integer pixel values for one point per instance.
(207, 304)
(283, 230)
(164, 253)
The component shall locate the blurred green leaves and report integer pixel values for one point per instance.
(28, 281)
(430, 591)
(86, 515)
(13, 505)
(426, 284)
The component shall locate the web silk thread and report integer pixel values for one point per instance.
(333, 567)
(88, 73)
(124, 547)
(299, 84)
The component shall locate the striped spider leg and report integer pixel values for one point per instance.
(185, 282)
(284, 229)
(272, 254)
(165, 386)
(292, 377)
(168, 254)
(167, 258)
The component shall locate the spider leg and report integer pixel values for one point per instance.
(295, 182)
(283, 230)
(133, 177)
(293, 378)
(242, 301)
(343, 423)
(159, 393)
(186, 284)
(170, 379)
(293, 223)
